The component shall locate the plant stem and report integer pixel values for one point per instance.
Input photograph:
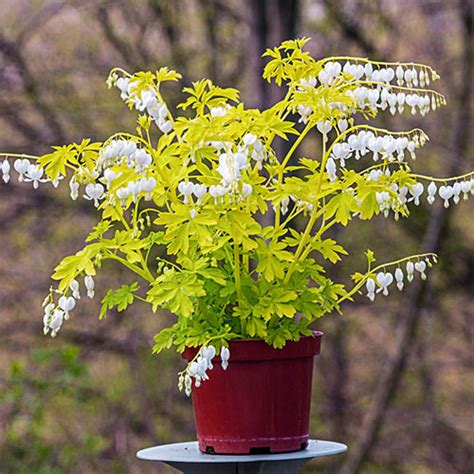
(238, 286)
(307, 231)
(287, 158)
(237, 270)
(314, 214)
(127, 135)
(281, 114)
(145, 267)
(146, 275)
(443, 180)
(19, 155)
(121, 218)
(381, 63)
(320, 232)
(380, 267)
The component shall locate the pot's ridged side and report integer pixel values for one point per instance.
(261, 403)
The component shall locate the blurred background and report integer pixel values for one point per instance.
(394, 380)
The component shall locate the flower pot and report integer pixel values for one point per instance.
(261, 403)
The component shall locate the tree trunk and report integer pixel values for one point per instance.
(432, 242)
(270, 22)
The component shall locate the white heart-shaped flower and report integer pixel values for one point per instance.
(342, 124)
(370, 285)
(445, 192)
(384, 279)
(67, 303)
(420, 266)
(388, 279)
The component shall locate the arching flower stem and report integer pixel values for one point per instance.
(379, 63)
(381, 267)
(443, 180)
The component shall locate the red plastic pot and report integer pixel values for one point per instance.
(261, 403)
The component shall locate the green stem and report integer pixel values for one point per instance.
(19, 155)
(238, 286)
(320, 232)
(443, 180)
(135, 212)
(281, 114)
(288, 156)
(126, 135)
(119, 69)
(167, 262)
(381, 63)
(293, 213)
(149, 209)
(376, 269)
(229, 335)
(147, 131)
(314, 215)
(246, 262)
(122, 220)
(237, 271)
(145, 267)
(302, 243)
(144, 274)
(283, 164)
(345, 84)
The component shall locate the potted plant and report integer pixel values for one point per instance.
(180, 203)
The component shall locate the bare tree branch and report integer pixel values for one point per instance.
(459, 458)
(12, 115)
(120, 45)
(168, 15)
(350, 27)
(10, 50)
(40, 19)
(131, 15)
(209, 11)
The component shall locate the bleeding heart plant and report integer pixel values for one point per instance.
(180, 204)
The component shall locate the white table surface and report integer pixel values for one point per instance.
(189, 453)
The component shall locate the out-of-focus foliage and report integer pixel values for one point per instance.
(38, 392)
(88, 402)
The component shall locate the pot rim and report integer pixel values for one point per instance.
(254, 350)
(248, 339)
